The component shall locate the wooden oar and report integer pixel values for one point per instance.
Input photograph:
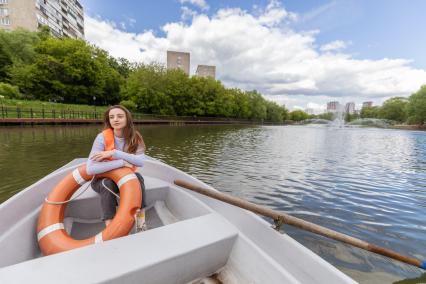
(282, 218)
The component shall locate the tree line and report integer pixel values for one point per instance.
(37, 66)
(411, 110)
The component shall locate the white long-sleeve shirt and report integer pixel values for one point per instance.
(93, 167)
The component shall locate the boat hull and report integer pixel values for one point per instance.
(198, 237)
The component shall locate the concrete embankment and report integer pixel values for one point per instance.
(59, 121)
(409, 127)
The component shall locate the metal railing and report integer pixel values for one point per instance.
(18, 112)
(42, 113)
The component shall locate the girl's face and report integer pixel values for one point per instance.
(117, 118)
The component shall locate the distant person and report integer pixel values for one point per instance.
(118, 145)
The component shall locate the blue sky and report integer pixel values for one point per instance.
(313, 51)
(375, 29)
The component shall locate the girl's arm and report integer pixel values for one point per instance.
(134, 159)
(93, 167)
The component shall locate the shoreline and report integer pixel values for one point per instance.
(59, 121)
(409, 127)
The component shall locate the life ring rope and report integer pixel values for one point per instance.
(71, 199)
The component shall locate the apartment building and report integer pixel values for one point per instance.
(206, 71)
(333, 106)
(367, 104)
(177, 59)
(350, 108)
(64, 17)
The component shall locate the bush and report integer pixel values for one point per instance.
(298, 115)
(394, 109)
(417, 107)
(9, 91)
(130, 105)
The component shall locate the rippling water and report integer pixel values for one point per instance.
(365, 182)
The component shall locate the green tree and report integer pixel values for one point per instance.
(326, 115)
(19, 45)
(349, 117)
(9, 91)
(370, 112)
(122, 65)
(146, 87)
(68, 70)
(275, 113)
(416, 107)
(394, 109)
(241, 100)
(257, 104)
(225, 103)
(176, 87)
(5, 64)
(130, 105)
(44, 32)
(298, 115)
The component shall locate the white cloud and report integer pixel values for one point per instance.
(199, 3)
(258, 50)
(273, 14)
(319, 108)
(334, 46)
(299, 101)
(187, 13)
(132, 22)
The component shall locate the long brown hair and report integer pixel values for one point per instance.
(132, 138)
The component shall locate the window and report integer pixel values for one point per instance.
(5, 21)
(42, 20)
(4, 1)
(72, 14)
(4, 11)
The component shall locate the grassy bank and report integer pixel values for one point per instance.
(32, 109)
(38, 105)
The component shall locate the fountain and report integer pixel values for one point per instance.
(339, 117)
(373, 122)
(316, 121)
(339, 120)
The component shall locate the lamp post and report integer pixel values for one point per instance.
(94, 104)
(2, 110)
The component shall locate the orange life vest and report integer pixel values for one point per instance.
(109, 142)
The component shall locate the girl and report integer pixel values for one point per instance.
(128, 151)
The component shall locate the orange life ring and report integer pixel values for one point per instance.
(51, 234)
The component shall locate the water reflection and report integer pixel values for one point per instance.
(368, 183)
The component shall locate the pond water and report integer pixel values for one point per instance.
(366, 182)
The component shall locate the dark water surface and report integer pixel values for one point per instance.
(365, 182)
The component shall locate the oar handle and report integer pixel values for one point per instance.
(299, 223)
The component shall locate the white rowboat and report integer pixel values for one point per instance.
(192, 239)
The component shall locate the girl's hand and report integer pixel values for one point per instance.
(102, 155)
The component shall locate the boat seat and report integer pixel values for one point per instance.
(179, 253)
(87, 205)
(157, 215)
(151, 183)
